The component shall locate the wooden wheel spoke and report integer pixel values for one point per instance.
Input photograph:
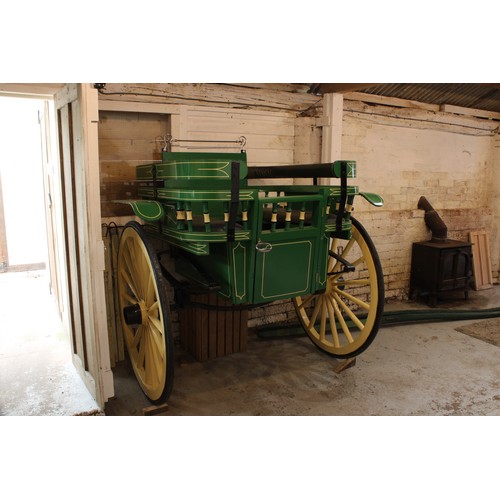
(306, 302)
(138, 336)
(156, 323)
(153, 361)
(129, 274)
(157, 358)
(333, 325)
(357, 262)
(150, 297)
(357, 301)
(128, 298)
(136, 263)
(342, 322)
(149, 370)
(154, 307)
(156, 333)
(354, 282)
(146, 276)
(349, 312)
(142, 353)
(315, 312)
(322, 328)
(128, 281)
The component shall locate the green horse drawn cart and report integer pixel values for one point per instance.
(251, 244)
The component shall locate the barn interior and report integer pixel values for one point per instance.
(411, 141)
(435, 355)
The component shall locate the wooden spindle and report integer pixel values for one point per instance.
(189, 216)
(302, 215)
(274, 217)
(244, 214)
(288, 216)
(206, 217)
(181, 215)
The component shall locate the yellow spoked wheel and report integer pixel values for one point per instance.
(344, 319)
(145, 313)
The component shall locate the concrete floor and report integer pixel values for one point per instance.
(37, 376)
(419, 369)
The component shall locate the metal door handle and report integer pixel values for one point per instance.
(263, 247)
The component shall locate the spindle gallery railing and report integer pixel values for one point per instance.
(250, 243)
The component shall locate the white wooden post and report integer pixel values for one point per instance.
(495, 229)
(331, 148)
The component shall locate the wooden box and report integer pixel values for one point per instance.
(208, 334)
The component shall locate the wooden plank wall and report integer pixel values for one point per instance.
(269, 136)
(126, 140)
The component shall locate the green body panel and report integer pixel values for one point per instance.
(285, 271)
(188, 167)
(375, 199)
(202, 194)
(229, 265)
(186, 199)
(149, 211)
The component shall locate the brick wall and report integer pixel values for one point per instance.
(403, 156)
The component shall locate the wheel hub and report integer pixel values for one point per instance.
(135, 314)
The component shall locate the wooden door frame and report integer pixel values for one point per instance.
(87, 291)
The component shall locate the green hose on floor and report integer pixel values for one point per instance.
(389, 319)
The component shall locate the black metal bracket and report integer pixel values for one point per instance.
(343, 196)
(235, 199)
(348, 267)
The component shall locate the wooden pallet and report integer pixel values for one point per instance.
(481, 260)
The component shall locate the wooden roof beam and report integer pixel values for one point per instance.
(341, 88)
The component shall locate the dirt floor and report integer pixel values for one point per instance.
(416, 369)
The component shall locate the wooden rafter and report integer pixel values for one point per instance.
(341, 88)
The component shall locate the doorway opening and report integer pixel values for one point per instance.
(23, 231)
(37, 375)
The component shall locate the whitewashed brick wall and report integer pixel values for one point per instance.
(403, 158)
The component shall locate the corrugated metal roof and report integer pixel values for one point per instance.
(467, 95)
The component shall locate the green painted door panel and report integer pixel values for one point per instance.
(285, 271)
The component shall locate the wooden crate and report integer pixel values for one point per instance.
(208, 334)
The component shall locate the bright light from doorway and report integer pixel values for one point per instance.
(22, 181)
